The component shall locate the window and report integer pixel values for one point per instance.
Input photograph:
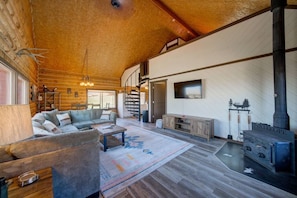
(22, 90)
(14, 88)
(102, 98)
(5, 85)
(142, 98)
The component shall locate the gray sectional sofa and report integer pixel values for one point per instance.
(56, 122)
(73, 157)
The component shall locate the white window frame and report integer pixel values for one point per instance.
(101, 100)
(13, 86)
(24, 98)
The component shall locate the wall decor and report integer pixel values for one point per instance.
(33, 93)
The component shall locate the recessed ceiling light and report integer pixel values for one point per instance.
(115, 3)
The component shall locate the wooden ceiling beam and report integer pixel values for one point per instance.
(168, 11)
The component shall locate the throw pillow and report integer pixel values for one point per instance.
(37, 124)
(39, 117)
(105, 115)
(51, 116)
(41, 132)
(51, 127)
(64, 119)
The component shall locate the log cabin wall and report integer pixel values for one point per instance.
(16, 32)
(62, 80)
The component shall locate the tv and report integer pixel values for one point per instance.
(188, 89)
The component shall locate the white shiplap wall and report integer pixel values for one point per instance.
(252, 79)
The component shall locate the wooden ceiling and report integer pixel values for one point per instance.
(118, 38)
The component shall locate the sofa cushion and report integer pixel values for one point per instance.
(68, 128)
(100, 121)
(83, 124)
(41, 132)
(96, 113)
(105, 114)
(51, 127)
(64, 119)
(80, 115)
(51, 116)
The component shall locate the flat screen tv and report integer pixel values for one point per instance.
(188, 89)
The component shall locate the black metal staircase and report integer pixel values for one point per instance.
(132, 93)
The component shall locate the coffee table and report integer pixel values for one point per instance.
(109, 130)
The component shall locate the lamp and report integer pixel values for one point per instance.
(15, 123)
(86, 81)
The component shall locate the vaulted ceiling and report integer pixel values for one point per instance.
(118, 38)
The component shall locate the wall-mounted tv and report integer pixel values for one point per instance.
(188, 89)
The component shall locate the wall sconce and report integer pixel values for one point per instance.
(76, 94)
(68, 90)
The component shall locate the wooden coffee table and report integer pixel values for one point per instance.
(109, 130)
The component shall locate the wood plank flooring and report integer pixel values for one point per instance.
(195, 173)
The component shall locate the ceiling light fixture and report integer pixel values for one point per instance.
(115, 3)
(86, 80)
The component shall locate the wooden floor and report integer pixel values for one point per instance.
(195, 173)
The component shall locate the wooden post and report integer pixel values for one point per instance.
(280, 117)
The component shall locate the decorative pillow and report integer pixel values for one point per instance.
(51, 116)
(39, 117)
(105, 115)
(64, 119)
(37, 125)
(51, 127)
(41, 132)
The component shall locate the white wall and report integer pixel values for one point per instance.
(251, 79)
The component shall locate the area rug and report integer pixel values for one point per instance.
(144, 151)
(232, 155)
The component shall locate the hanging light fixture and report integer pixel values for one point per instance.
(86, 80)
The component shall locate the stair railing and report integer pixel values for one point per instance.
(132, 83)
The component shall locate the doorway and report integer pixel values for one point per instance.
(158, 99)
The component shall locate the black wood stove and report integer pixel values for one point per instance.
(271, 147)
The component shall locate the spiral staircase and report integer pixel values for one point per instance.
(132, 101)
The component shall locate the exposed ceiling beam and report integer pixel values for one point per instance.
(168, 11)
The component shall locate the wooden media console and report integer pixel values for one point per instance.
(198, 126)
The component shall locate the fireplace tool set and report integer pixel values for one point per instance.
(239, 108)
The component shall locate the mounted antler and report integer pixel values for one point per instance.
(30, 52)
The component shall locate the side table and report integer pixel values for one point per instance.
(41, 188)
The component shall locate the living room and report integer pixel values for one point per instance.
(234, 63)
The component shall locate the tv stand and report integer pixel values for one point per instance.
(198, 126)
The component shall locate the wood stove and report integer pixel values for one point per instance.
(272, 147)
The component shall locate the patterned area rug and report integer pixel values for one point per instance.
(144, 152)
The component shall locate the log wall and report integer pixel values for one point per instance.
(62, 80)
(16, 32)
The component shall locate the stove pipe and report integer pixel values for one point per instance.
(280, 117)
